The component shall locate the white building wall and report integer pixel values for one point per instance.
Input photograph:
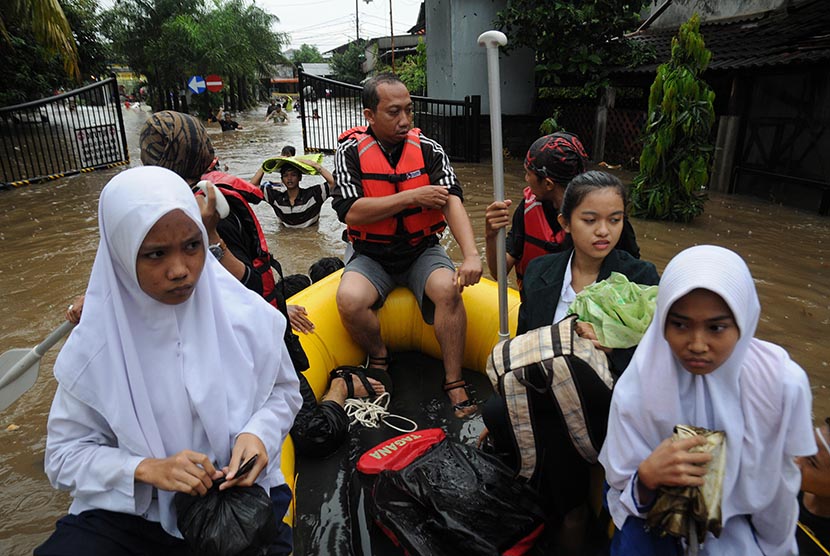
(457, 65)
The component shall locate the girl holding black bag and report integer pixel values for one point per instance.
(168, 384)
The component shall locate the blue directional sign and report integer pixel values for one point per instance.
(196, 84)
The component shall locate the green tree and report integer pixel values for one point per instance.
(155, 38)
(347, 66)
(30, 70)
(674, 165)
(246, 50)
(84, 18)
(576, 43)
(48, 24)
(412, 70)
(306, 53)
(169, 40)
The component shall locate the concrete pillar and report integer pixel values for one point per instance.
(725, 146)
(727, 141)
(601, 123)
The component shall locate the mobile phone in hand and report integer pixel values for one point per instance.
(246, 467)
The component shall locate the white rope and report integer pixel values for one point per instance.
(370, 413)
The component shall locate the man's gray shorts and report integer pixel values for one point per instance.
(415, 277)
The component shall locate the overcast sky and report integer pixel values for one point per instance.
(327, 24)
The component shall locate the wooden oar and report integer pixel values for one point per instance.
(492, 40)
(18, 367)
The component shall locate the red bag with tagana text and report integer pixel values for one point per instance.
(434, 496)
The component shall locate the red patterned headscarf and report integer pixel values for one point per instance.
(559, 156)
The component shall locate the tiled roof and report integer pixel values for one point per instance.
(799, 34)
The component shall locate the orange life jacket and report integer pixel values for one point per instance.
(540, 238)
(380, 179)
(248, 193)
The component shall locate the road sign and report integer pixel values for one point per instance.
(214, 83)
(196, 84)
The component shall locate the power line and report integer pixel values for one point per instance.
(336, 21)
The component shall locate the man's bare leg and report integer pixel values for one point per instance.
(450, 331)
(355, 297)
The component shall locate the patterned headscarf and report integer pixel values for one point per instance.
(559, 156)
(178, 142)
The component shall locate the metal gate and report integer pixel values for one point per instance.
(66, 134)
(331, 107)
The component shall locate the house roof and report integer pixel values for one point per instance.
(318, 69)
(420, 27)
(798, 34)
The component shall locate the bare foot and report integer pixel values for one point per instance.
(338, 392)
(360, 390)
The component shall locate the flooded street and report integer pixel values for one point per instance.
(48, 239)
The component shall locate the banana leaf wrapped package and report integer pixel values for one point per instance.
(619, 310)
(689, 512)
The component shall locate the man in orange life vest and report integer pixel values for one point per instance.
(396, 191)
(551, 162)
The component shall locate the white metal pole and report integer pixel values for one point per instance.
(492, 40)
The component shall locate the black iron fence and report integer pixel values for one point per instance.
(66, 134)
(331, 107)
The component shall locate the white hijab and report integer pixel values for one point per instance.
(759, 396)
(168, 377)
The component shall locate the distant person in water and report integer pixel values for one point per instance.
(216, 116)
(278, 115)
(272, 105)
(228, 124)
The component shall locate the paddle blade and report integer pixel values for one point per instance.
(10, 392)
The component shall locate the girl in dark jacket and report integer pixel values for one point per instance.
(592, 213)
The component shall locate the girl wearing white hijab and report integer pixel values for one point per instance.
(173, 378)
(699, 364)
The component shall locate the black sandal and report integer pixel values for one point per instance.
(372, 362)
(363, 374)
(468, 403)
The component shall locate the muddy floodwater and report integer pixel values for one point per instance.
(48, 238)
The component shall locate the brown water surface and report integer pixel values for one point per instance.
(48, 238)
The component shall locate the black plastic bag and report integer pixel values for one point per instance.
(453, 499)
(239, 521)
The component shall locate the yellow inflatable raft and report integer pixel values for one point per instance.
(402, 329)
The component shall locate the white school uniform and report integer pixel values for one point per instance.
(759, 396)
(140, 379)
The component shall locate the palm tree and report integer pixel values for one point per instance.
(48, 23)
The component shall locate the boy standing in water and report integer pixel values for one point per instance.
(295, 206)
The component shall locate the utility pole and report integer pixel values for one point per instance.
(356, 24)
(392, 35)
